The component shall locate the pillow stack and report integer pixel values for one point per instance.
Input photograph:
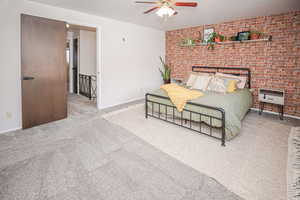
(221, 83)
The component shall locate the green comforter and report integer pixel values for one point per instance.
(234, 104)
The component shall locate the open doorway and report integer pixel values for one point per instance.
(82, 64)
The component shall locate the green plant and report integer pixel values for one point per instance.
(212, 37)
(256, 32)
(222, 37)
(165, 71)
(188, 41)
(254, 35)
(211, 40)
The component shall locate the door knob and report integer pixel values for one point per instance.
(28, 78)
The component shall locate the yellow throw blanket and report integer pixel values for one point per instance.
(180, 95)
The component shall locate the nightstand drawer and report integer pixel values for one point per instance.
(271, 96)
(271, 99)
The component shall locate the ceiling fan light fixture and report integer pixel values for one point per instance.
(165, 11)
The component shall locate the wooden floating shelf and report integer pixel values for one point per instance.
(229, 42)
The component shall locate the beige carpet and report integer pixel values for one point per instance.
(85, 157)
(252, 165)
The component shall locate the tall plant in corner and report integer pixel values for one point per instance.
(165, 71)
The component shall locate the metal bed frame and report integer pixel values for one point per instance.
(183, 121)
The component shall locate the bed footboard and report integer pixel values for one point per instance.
(186, 122)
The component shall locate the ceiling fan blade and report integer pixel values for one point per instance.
(175, 13)
(189, 4)
(149, 2)
(150, 10)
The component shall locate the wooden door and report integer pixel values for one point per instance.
(44, 70)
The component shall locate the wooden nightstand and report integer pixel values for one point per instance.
(272, 96)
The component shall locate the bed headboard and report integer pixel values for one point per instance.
(226, 70)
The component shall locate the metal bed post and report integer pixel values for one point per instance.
(146, 106)
(223, 129)
(90, 87)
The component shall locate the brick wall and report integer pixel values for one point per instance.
(274, 64)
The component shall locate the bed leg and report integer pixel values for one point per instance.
(223, 143)
(223, 129)
(146, 106)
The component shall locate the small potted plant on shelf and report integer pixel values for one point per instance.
(255, 35)
(165, 71)
(219, 37)
(214, 37)
(211, 41)
(188, 42)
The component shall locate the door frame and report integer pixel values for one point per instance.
(99, 52)
(99, 55)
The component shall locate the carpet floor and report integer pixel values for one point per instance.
(252, 165)
(85, 157)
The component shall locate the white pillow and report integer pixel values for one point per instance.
(217, 84)
(242, 79)
(201, 82)
(192, 78)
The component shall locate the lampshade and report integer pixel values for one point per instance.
(165, 11)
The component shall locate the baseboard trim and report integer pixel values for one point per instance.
(275, 113)
(9, 130)
(124, 102)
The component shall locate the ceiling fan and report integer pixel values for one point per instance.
(166, 8)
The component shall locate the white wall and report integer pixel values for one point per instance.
(87, 52)
(128, 69)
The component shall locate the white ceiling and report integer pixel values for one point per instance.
(207, 12)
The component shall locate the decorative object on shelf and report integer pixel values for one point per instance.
(243, 35)
(211, 41)
(255, 35)
(219, 37)
(188, 42)
(166, 8)
(207, 34)
(199, 40)
(232, 38)
(165, 71)
(214, 38)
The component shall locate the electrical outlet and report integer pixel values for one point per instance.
(8, 115)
